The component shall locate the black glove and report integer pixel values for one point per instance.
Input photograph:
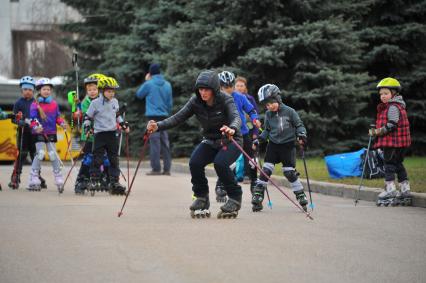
(303, 140)
(124, 125)
(87, 128)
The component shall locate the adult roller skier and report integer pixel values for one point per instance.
(219, 118)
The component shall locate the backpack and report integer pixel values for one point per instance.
(375, 167)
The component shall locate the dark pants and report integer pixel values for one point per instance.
(248, 169)
(105, 141)
(222, 158)
(28, 147)
(393, 158)
(159, 145)
(279, 153)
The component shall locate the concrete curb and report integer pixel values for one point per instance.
(332, 189)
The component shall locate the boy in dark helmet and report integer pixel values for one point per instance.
(104, 111)
(22, 111)
(393, 137)
(282, 127)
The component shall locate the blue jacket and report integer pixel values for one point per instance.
(23, 105)
(158, 93)
(243, 105)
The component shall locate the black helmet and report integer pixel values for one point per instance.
(269, 92)
(227, 79)
(207, 79)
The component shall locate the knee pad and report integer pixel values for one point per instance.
(290, 173)
(87, 159)
(268, 168)
(52, 155)
(106, 161)
(40, 154)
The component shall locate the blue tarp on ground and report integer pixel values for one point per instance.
(344, 164)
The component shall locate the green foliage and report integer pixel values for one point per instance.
(326, 56)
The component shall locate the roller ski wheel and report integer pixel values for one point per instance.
(386, 202)
(94, 186)
(14, 182)
(13, 186)
(34, 188)
(257, 207)
(200, 213)
(60, 189)
(43, 184)
(117, 189)
(257, 198)
(80, 187)
(404, 198)
(200, 208)
(301, 198)
(229, 209)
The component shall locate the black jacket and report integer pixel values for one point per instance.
(212, 118)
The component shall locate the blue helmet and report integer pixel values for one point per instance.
(27, 82)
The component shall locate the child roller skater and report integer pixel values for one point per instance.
(92, 92)
(44, 115)
(24, 138)
(218, 116)
(392, 134)
(104, 112)
(282, 127)
(227, 83)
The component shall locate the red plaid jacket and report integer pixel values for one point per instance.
(398, 138)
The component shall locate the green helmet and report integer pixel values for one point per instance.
(390, 83)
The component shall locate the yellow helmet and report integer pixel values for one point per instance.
(390, 83)
(107, 82)
(93, 78)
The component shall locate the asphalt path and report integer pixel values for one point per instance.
(46, 237)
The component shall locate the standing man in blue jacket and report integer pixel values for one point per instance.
(159, 102)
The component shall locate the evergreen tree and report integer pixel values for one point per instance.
(395, 33)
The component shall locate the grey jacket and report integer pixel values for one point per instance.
(282, 126)
(104, 114)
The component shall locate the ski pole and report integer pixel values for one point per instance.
(142, 156)
(121, 132)
(363, 170)
(18, 117)
(270, 179)
(302, 151)
(128, 159)
(73, 165)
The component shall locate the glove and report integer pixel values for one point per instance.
(124, 125)
(303, 140)
(256, 142)
(21, 123)
(376, 132)
(87, 128)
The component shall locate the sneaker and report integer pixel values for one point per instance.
(154, 173)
